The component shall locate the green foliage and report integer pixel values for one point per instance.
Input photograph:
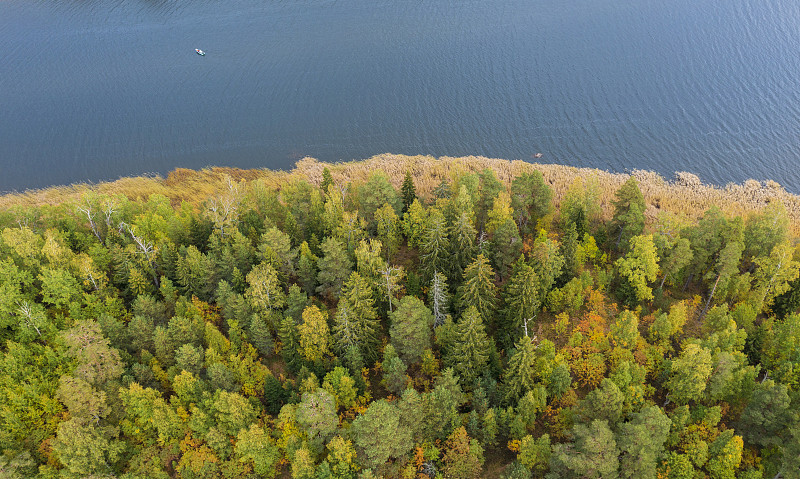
(637, 269)
(410, 329)
(334, 268)
(469, 355)
(407, 191)
(592, 454)
(628, 219)
(141, 340)
(478, 288)
(379, 434)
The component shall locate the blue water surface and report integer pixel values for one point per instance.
(97, 89)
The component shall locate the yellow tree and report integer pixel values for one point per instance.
(314, 334)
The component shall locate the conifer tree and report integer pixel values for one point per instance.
(628, 219)
(435, 246)
(531, 199)
(522, 299)
(327, 180)
(462, 245)
(407, 191)
(478, 288)
(334, 268)
(520, 375)
(592, 454)
(439, 299)
(506, 246)
(356, 323)
(410, 331)
(470, 353)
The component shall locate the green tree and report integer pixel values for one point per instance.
(316, 414)
(592, 454)
(768, 415)
(775, 273)
(342, 458)
(637, 269)
(641, 442)
(356, 323)
(625, 330)
(506, 246)
(375, 193)
(521, 373)
(628, 218)
(523, 299)
(407, 191)
(531, 199)
(255, 446)
(534, 454)
(264, 291)
(478, 288)
(604, 403)
(725, 454)
(379, 434)
(341, 386)
(307, 268)
(334, 268)
(435, 244)
(462, 245)
(689, 374)
(410, 329)
(86, 450)
(276, 248)
(469, 355)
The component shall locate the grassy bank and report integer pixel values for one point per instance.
(684, 194)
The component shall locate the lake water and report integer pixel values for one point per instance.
(97, 89)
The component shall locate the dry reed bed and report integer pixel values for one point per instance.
(685, 195)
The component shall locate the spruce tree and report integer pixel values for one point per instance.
(462, 245)
(522, 299)
(628, 219)
(520, 375)
(407, 191)
(469, 355)
(435, 254)
(478, 288)
(357, 324)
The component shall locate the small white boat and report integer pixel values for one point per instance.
(199, 52)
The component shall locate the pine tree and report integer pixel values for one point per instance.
(410, 331)
(531, 199)
(407, 191)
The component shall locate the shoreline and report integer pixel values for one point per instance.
(685, 195)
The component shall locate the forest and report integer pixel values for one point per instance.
(336, 327)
